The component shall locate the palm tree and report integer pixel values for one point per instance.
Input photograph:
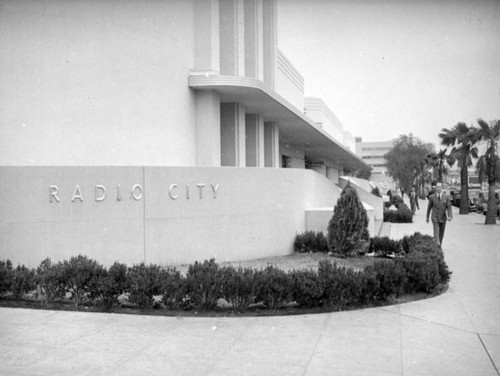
(463, 139)
(488, 164)
(439, 163)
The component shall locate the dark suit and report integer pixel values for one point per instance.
(441, 211)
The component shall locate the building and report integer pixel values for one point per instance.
(155, 131)
(373, 154)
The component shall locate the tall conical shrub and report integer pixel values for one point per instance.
(348, 228)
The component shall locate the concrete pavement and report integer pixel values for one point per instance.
(457, 333)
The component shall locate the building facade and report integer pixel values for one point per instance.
(373, 154)
(125, 126)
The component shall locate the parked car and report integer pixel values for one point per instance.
(455, 200)
(483, 206)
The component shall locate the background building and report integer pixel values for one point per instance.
(373, 154)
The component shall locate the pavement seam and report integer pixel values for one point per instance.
(431, 322)
(218, 360)
(488, 353)
(325, 323)
(400, 340)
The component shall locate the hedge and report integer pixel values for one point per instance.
(418, 266)
(403, 214)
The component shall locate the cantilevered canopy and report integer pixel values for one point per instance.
(295, 128)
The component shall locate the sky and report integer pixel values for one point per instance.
(387, 68)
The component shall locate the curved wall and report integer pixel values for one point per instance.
(164, 215)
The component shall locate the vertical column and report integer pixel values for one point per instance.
(206, 34)
(232, 41)
(333, 174)
(232, 135)
(270, 40)
(271, 145)
(254, 130)
(208, 120)
(254, 56)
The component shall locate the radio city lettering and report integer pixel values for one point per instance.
(136, 192)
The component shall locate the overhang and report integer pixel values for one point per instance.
(295, 128)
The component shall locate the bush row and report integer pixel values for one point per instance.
(420, 267)
(403, 214)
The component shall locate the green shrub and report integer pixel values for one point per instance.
(385, 246)
(396, 199)
(204, 284)
(419, 243)
(22, 281)
(108, 284)
(273, 287)
(391, 277)
(422, 272)
(5, 276)
(174, 290)
(310, 242)
(342, 287)
(77, 274)
(307, 291)
(376, 192)
(50, 281)
(348, 228)
(403, 214)
(369, 290)
(238, 286)
(145, 281)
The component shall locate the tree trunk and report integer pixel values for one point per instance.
(491, 213)
(464, 191)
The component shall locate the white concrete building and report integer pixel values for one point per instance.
(140, 131)
(373, 154)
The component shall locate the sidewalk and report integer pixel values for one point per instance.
(457, 333)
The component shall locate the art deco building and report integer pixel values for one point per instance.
(157, 131)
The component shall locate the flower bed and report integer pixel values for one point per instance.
(418, 267)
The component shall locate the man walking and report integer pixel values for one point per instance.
(440, 205)
(414, 200)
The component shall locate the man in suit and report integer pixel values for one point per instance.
(440, 205)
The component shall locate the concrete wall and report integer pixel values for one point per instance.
(377, 203)
(317, 219)
(165, 215)
(96, 82)
(318, 112)
(288, 82)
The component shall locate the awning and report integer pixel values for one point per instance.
(295, 128)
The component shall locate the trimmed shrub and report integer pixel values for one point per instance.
(204, 284)
(50, 281)
(310, 242)
(402, 215)
(396, 199)
(5, 276)
(341, 286)
(77, 274)
(419, 243)
(22, 281)
(174, 290)
(145, 282)
(391, 277)
(376, 192)
(348, 228)
(369, 286)
(273, 287)
(238, 286)
(385, 246)
(307, 291)
(108, 284)
(422, 272)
